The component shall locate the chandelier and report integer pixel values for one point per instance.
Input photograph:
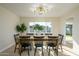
(40, 10)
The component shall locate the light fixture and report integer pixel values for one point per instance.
(40, 10)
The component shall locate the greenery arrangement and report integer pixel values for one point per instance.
(21, 28)
(38, 27)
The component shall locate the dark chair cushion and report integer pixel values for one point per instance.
(38, 45)
(26, 44)
(51, 44)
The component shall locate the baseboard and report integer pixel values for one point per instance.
(6, 47)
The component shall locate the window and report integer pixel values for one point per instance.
(47, 27)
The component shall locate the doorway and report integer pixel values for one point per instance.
(69, 38)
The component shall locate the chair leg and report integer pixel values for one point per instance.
(47, 48)
(20, 50)
(28, 52)
(49, 52)
(56, 51)
(30, 47)
(35, 51)
(42, 52)
(15, 49)
(61, 48)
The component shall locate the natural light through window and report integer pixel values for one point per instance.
(43, 27)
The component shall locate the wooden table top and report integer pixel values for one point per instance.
(39, 38)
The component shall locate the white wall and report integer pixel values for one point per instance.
(76, 34)
(8, 21)
(55, 22)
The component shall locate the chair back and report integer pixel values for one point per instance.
(53, 39)
(16, 38)
(48, 34)
(24, 39)
(52, 36)
(60, 38)
(38, 39)
(30, 34)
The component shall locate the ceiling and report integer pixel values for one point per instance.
(24, 9)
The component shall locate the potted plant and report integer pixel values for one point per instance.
(21, 28)
(38, 28)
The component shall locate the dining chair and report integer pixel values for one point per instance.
(24, 43)
(60, 41)
(16, 38)
(50, 36)
(38, 43)
(30, 34)
(47, 34)
(52, 42)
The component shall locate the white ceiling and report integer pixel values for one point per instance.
(24, 9)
